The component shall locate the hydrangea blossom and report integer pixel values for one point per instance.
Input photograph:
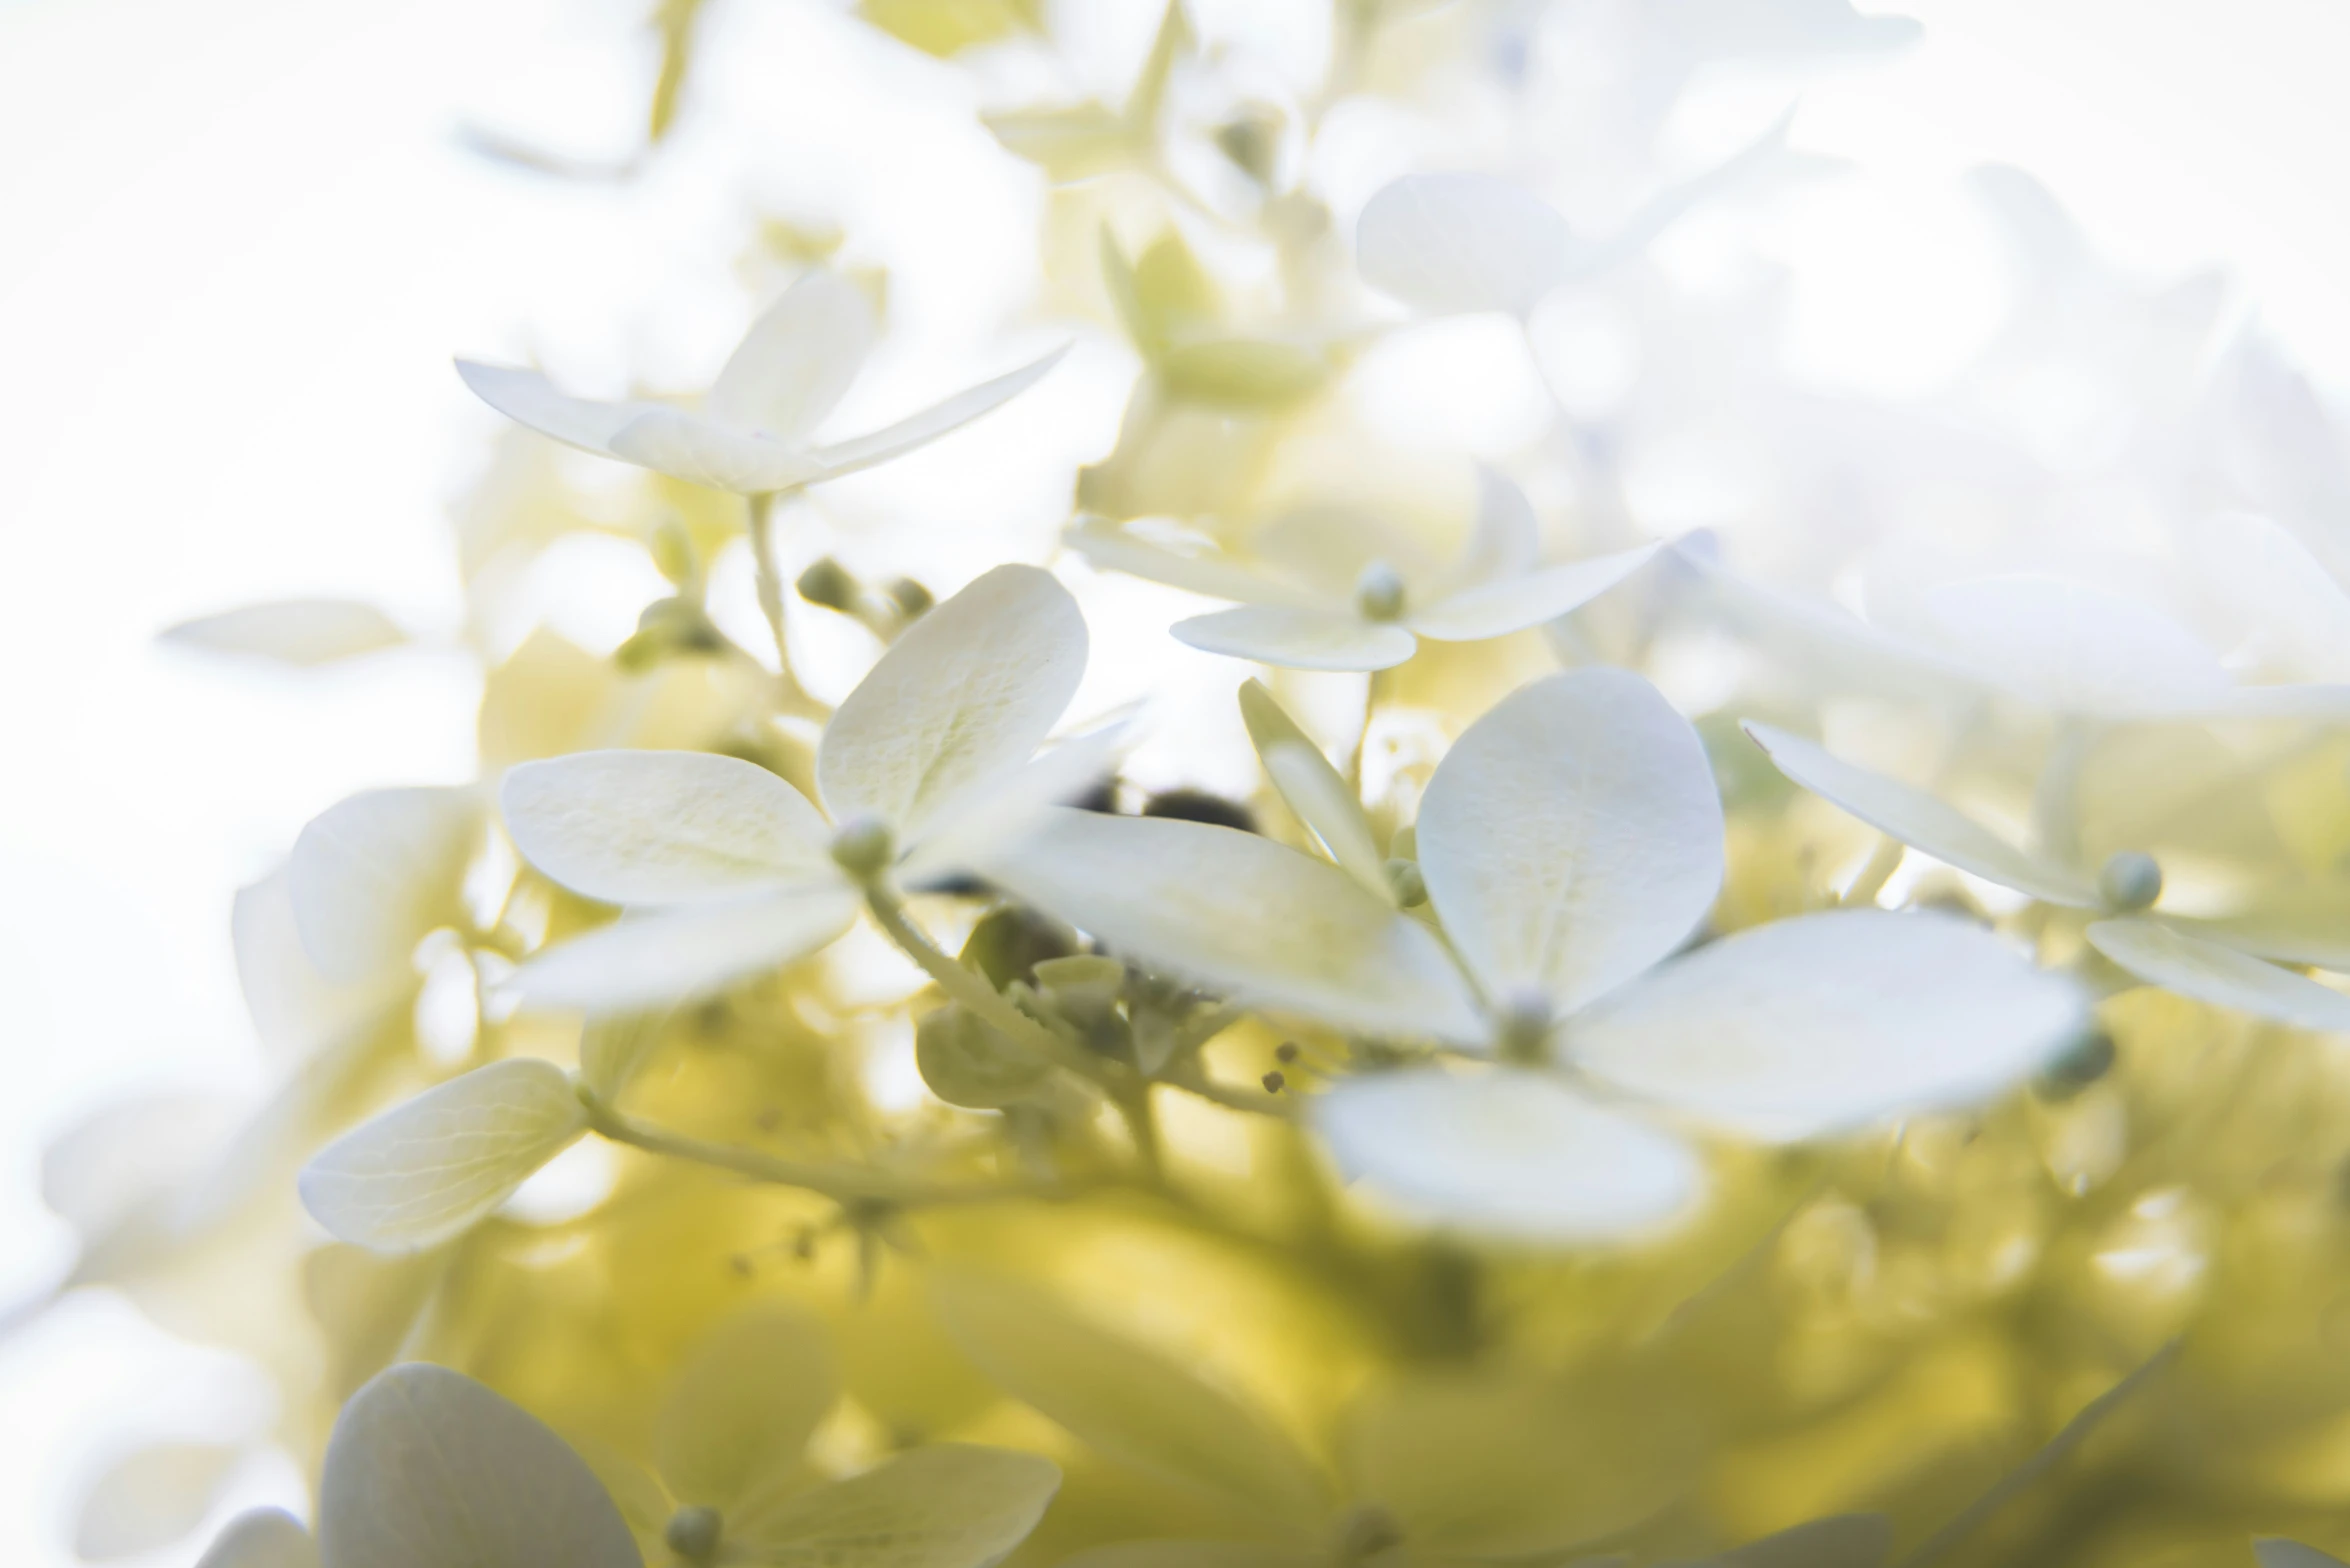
(754, 433)
(1326, 591)
(1570, 842)
(725, 869)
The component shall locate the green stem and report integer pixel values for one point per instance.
(1372, 685)
(973, 991)
(768, 583)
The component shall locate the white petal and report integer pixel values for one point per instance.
(304, 633)
(1920, 821)
(967, 692)
(1267, 925)
(2277, 1552)
(1451, 243)
(1496, 609)
(152, 1498)
(939, 419)
(2289, 701)
(1505, 1154)
(528, 398)
(262, 1538)
(676, 955)
(427, 1469)
(2159, 954)
(2298, 616)
(298, 1012)
(701, 451)
(663, 827)
(948, 1505)
(1123, 1398)
(1829, 649)
(996, 813)
(1322, 799)
(1299, 639)
(797, 360)
(429, 1169)
(371, 876)
(1572, 837)
(1827, 1022)
(1110, 548)
(2075, 648)
(1505, 539)
(739, 1412)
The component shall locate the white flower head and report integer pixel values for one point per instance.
(1569, 844)
(755, 432)
(724, 869)
(1330, 591)
(2210, 961)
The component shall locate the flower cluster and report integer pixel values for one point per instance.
(1657, 1066)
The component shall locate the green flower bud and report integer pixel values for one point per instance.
(1522, 1027)
(863, 847)
(693, 1532)
(828, 583)
(2088, 1059)
(1379, 593)
(970, 1063)
(2131, 881)
(912, 599)
(1411, 890)
(1252, 140)
(673, 552)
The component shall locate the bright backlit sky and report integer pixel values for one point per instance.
(238, 244)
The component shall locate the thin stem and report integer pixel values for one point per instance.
(963, 985)
(2056, 806)
(848, 1185)
(1255, 1102)
(1372, 690)
(1883, 861)
(768, 582)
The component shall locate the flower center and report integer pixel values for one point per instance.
(1521, 1027)
(2130, 882)
(1379, 592)
(863, 847)
(693, 1533)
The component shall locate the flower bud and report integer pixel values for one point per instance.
(693, 1533)
(911, 598)
(1411, 889)
(863, 847)
(828, 583)
(1379, 593)
(2131, 881)
(1522, 1027)
(2084, 1062)
(1252, 140)
(673, 552)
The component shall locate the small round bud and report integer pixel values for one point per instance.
(828, 583)
(1252, 140)
(2084, 1062)
(1285, 1052)
(692, 1533)
(1411, 889)
(1522, 1027)
(2131, 881)
(1273, 1081)
(863, 847)
(673, 551)
(1365, 1531)
(1379, 592)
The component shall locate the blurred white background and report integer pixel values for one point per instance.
(240, 242)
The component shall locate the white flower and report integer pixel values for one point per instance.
(724, 869)
(1330, 592)
(1569, 843)
(2210, 961)
(755, 431)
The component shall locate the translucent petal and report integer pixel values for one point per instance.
(2161, 954)
(152, 1498)
(304, 633)
(1264, 924)
(98, 1174)
(1113, 549)
(614, 1049)
(1451, 243)
(1572, 837)
(1496, 609)
(1819, 642)
(1920, 821)
(663, 827)
(2298, 615)
(738, 1413)
(1299, 639)
(1504, 541)
(676, 955)
(948, 1505)
(798, 359)
(429, 1169)
(967, 692)
(2075, 648)
(261, 1538)
(427, 1469)
(371, 876)
(939, 419)
(1508, 1155)
(2277, 1552)
(1136, 1406)
(702, 451)
(1324, 803)
(298, 1012)
(997, 812)
(1826, 1022)
(528, 398)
